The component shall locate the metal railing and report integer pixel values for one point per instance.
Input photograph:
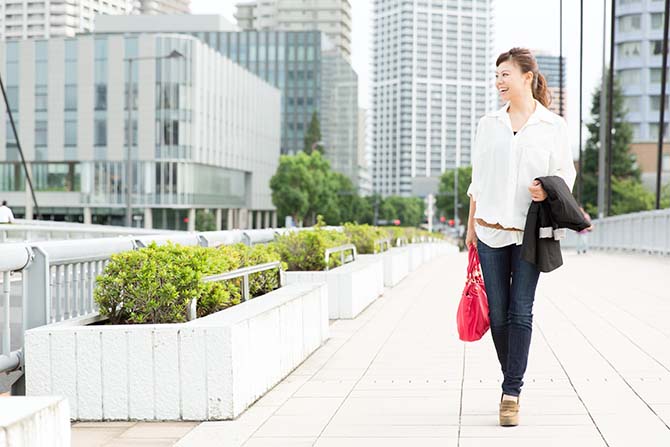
(342, 249)
(27, 230)
(646, 232)
(401, 241)
(381, 243)
(244, 274)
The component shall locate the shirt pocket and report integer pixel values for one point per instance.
(535, 160)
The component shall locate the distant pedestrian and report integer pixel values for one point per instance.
(513, 146)
(583, 236)
(6, 215)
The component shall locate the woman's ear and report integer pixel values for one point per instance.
(529, 77)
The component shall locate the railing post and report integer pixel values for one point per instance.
(36, 291)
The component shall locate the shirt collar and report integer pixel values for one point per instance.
(541, 113)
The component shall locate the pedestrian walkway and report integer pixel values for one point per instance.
(599, 371)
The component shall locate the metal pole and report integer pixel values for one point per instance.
(18, 146)
(603, 133)
(129, 143)
(661, 119)
(610, 107)
(560, 59)
(580, 182)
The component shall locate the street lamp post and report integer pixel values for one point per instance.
(129, 127)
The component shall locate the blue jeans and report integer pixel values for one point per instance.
(510, 287)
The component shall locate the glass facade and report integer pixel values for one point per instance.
(289, 60)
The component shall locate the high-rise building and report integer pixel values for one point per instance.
(637, 63)
(164, 7)
(550, 68)
(43, 19)
(365, 181)
(205, 131)
(432, 80)
(309, 70)
(333, 17)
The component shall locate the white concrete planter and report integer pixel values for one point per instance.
(351, 287)
(416, 256)
(396, 265)
(34, 422)
(211, 368)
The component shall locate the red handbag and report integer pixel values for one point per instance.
(473, 310)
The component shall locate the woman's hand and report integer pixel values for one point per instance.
(470, 237)
(537, 193)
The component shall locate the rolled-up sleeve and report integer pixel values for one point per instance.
(475, 185)
(561, 162)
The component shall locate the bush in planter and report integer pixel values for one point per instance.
(364, 236)
(156, 284)
(304, 250)
(151, 285)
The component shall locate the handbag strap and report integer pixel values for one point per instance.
(474, 267)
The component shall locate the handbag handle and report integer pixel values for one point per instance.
(474, 267)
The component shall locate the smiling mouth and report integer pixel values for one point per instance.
(503, 90)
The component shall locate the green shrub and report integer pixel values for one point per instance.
(364, 236)
(268, 280)
(151, 285)
(305, 250)
(156, 284)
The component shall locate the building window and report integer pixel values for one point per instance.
(41, 98)
(666, 162)
(70, 132)
(655, 76)
(632, 103)
(100, 132)
(656, 47)
(657, 21)
(40, 133)
(70, 97)
(655, 101)
(101, 97)
(630, 76)
(629, 23)
(629, 49)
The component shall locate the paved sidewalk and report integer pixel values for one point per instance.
(599, 371)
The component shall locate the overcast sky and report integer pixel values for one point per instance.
(517, 23)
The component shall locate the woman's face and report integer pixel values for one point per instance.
(511, 83)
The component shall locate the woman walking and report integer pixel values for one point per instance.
(514, 145)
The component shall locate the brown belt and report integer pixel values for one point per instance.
(497, 226)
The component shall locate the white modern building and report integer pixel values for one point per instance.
(433, 77)
(206, 132)
(333, 17)
(637, 63)
(638, 38)
(164, 6)
(305, 66)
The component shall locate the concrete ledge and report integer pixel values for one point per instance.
(34, 422)
(211, 368)
(351, 287)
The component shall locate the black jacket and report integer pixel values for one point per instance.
(541, 245)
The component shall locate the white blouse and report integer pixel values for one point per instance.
(504, 165)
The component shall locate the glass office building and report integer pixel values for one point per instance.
(197, 142)
(313, 76)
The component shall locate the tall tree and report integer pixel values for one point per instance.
(445, 197)
(624, 166)
(313, 135)
(290, 190)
